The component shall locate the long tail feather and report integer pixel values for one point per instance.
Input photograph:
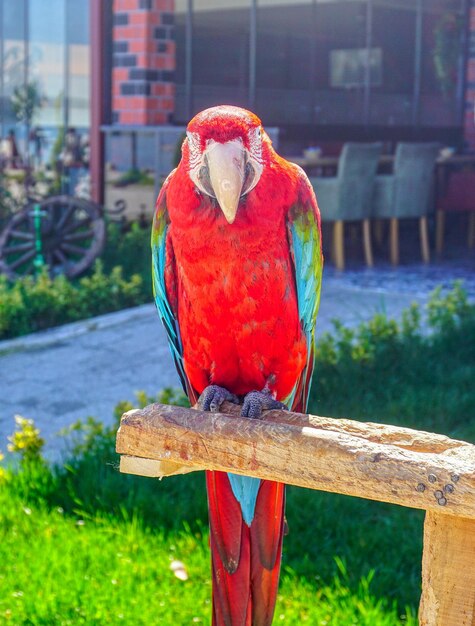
(245, 559)
(266, 549)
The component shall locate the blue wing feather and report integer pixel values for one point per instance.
(305, 242)
(168, 315)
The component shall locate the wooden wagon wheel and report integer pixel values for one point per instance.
(72, 236)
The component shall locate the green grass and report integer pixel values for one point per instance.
(110, 570)
(83, 544)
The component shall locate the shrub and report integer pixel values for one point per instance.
(32, 304)
(134, 176)
(131, 251)
(26, 440)
(403, 373)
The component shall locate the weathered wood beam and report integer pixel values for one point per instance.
(379, 462)
(448, 571)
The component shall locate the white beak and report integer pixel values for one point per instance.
(226, 164)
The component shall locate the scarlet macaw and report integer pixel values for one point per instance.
(237, 266)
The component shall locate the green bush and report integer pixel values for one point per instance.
(418, 375)
(32, 304)
(134, 176)
(131, 251)
(121, 278)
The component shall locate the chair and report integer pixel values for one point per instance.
(460, 197)
(347, 196)
(407, 192)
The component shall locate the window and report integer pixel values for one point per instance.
(325, 62)
(441, 60)
(348, 67)
(284, 62)
(47, 59)
(341, 27)
(220, 53)
(14, 54)
(78, 59)
(394, 32)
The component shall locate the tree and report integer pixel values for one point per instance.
(25, 101)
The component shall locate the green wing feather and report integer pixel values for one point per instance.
(305, 242)
(160, 266)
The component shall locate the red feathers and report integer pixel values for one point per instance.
(244, 589)
(223, 123)
(237, 303)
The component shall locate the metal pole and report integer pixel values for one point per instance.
(313, 67)
(39, 261)
(66, 68)
(417, 65)
(158, 162)
(27, 78)
(367, 73)
(97, 77)
(2, 69)
(462, 63)
(252, 54)
(189, 60)
(26, 30)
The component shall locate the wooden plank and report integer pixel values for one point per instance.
(448, 571)
(152, 468)
(374, 461)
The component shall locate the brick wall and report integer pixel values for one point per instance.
(469, 121)
(143, 73)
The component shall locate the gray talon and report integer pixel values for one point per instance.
(213, 397)
(257, 401)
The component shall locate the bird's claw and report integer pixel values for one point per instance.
(213, 397)
(257, 401)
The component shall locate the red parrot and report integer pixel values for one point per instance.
(237, 265)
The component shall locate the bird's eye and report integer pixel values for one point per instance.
(204, 182)
(249, 176)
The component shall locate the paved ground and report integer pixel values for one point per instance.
(82, 369)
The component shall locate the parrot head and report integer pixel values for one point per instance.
(224, 154)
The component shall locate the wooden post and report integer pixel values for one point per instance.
(448, 571)
(97, 12)
(378, 230)
(424, 237)
(374, 461)
(439, 231)
(394, 240)
(471, 229)
(368, 252)
(338, 246)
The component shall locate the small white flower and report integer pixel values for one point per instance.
(179, 569)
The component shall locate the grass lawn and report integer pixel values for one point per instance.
(83, 544)
(59, 569)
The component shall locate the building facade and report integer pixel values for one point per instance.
(320, 70)
(316, 68)
(45, 59)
